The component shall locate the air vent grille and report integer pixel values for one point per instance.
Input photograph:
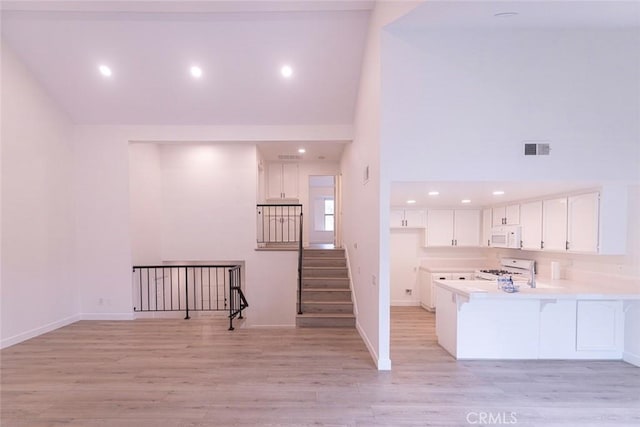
(289, 157)
(537, 149)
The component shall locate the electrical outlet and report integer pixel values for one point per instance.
(374, 280)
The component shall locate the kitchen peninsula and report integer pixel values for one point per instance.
(558, 319)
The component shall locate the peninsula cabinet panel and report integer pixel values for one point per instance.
(600, 326)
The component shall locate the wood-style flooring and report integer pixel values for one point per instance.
(177, 373)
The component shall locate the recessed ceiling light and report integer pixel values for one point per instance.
(505, 14)
(433, 193)
(411, 202)
(286, 71)
(498, 193)
(465, 201)
(196, 72)
(104, 70)
(302, 150)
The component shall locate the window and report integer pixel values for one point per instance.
(328, 214)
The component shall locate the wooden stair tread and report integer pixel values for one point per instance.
(341, 315)
(326, 289)
(327, 302)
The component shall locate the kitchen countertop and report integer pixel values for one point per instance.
(545, 289)
(450, 269)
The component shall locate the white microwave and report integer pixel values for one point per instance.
(506, 236)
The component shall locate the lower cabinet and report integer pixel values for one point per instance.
(426, 279)
(447, 320)
(600, 326)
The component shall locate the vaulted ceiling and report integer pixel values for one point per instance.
(151, 46)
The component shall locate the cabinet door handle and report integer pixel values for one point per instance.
(452, 242)
(456, 242)
(566, 245)
(541, 244)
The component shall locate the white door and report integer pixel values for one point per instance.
(582, 233)
(554, 224)
(467, 228)
(531, 222)
(439, 227)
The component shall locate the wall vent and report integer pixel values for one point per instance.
(289, 157)
(537, 148)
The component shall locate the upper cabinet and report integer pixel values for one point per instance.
(571, 223)
(407, 218)
(554, 224)
(282, 181)
(531, 223)
(582, 224)
(485, 240)
(449, 227)
(506, 215)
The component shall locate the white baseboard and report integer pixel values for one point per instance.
(631, 358)
(404, 303)
(107, 316)
(382, 365)
(7, 342)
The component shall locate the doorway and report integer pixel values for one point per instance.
(322, 222)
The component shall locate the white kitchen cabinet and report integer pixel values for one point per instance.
(506, 215)
(439, 227)
(582, 226)
(531, 225)
(571, 223)
(448, 227)
(407, 218)
(427, 285)
(485, 240)
(600, 326)
(447, 319)
(466, 228)
(282, 181)
(427, 296)
(554, 224)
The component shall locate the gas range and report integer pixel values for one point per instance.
(517, 268)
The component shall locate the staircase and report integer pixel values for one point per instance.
(326, 297)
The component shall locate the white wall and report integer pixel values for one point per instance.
(38, 285)
(103, 236)
(145, 201)
(456, 101)
(208, 201)
(366, 205)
